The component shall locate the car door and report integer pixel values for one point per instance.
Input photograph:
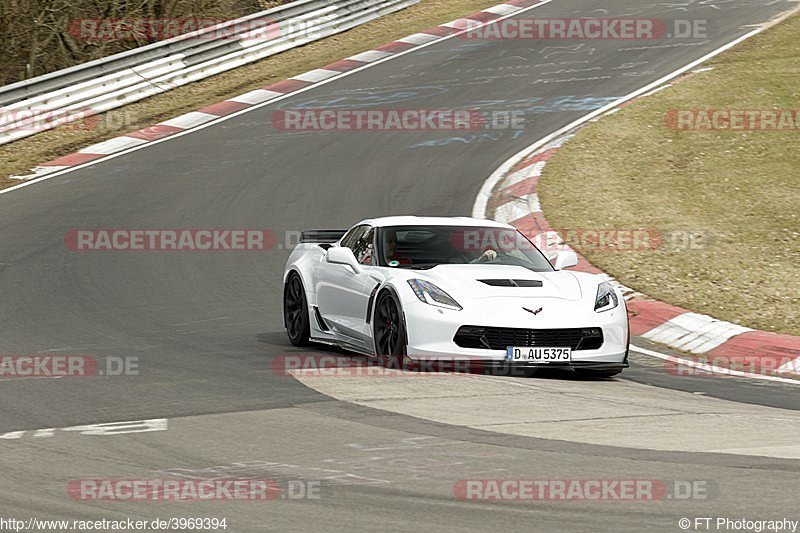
(342, 294)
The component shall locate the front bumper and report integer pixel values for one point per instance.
(431, 330)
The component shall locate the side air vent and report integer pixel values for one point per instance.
(512, 282)
(320, 321)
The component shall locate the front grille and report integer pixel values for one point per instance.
(489, 338)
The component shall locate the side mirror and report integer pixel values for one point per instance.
(341, 255)
(565, 259)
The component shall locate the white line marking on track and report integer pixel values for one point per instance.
(371, 56)
(461, 23)
(105, 429)
(418, 38)
(255, 97)
(39, 170)
(318, 74)
(202, 320)
(112, 145)
(30, 377)
(188, 120)
(501, 9)
(712, 368)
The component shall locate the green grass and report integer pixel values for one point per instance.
(628, 170)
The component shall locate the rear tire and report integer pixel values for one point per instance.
(295, 311)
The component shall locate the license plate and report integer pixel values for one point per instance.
(538, 354)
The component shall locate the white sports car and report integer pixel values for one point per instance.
(423, 288)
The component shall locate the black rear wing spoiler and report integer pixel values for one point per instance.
(323, 236)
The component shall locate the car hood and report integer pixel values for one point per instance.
(492, 281)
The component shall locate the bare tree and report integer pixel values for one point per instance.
(40, 36)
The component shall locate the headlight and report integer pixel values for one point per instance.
(431, 294)
(606, 298)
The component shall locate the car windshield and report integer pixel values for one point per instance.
(422, 247)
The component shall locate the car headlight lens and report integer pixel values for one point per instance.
(429, 293)
(606, 298)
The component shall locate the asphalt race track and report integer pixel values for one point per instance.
(206, 327)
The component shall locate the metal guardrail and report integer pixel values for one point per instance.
(112, 82)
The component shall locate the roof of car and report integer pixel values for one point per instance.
(432, 221)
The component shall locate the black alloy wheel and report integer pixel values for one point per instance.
(295, 311)
(389, 331)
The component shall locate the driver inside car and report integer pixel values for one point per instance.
(472, 257)
(488, 255)
(390, 250)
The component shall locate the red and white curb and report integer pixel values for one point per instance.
(279, 90)
(516, 203)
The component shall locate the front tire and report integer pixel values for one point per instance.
(295, 311)
(389, 331)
